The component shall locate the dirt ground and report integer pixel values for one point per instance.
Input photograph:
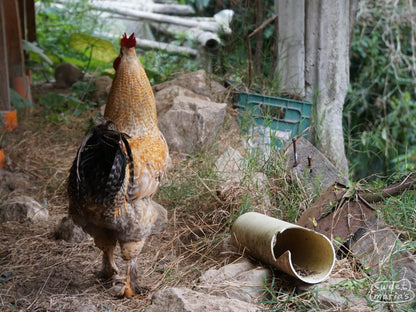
(40, 273)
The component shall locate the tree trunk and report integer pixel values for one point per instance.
(291, 47)
(314, 46)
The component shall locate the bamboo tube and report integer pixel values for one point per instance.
(302, 253)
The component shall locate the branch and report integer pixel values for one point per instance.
(150, 44)
(408, 183)
(159, 18)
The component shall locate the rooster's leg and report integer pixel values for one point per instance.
(107, 243)
(109, 268)
(128, 286)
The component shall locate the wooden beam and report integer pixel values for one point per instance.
(27, 19)
(21, 5)
(14, 40)
(4, 73)
(31, 20)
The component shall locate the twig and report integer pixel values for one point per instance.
(250, 61)
(40, 291)
(408, 183)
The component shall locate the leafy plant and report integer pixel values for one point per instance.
(99, 49)
(56, 24)
(58, 107)
(379, 124)
(18, 102)
(399, 212)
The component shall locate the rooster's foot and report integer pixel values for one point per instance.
(122, 287)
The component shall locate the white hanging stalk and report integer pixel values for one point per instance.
(297, 251)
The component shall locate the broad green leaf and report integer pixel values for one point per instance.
(30, 47)
(101, 49)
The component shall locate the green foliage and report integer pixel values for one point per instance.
(18, 102)
(161, 66)
(280, 299)
(379, 115)
(399, 212)
(58, 107)
(36, 53)
(55, 26)
(98, 49)
(190, 186)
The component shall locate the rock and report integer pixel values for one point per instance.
(12, 181)
(230, 165)
(164, 98)
(242, 280)
(197, 82)
(103, 85)
(323, 173)
(191, 123)
(161, 221)
(186, 300)
(21, 209)
(66, 74)
(331, 297)
(234, 181)
(380, 251)
(68, 231)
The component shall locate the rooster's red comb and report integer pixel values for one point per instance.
(129, 42)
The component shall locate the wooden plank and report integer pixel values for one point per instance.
(27, 19)
(31, 20)
(22, 17)
(4, 75)
(14, 40)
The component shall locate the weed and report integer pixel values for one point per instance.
(58, 107)
(280, 299)
(380, 110)
(399, 212)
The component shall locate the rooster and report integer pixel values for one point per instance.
(117, 170)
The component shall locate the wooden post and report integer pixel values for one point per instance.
(4, 73)
(27, 19)
(31, 20)
(15, 48)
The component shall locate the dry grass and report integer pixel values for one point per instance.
(40, 273)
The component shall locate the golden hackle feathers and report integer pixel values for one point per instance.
(131, 105)
(131, 102)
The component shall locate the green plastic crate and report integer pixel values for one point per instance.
(280, 114)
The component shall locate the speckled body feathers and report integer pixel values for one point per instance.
(119, 165)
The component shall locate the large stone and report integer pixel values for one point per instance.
(197, 82)
(380, 251)
(321, 175)
(164, 98)
(234, 181)
(102, 85)
(12, 181)
(21, 209)
(68, 231)
(191, 123)
(230, 165)
(66, 74)
(241, 280)
(187, 300)
(161, 221)
(329, 298)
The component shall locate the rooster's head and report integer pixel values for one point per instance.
(127, 43)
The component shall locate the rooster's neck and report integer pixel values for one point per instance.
(131, 103)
